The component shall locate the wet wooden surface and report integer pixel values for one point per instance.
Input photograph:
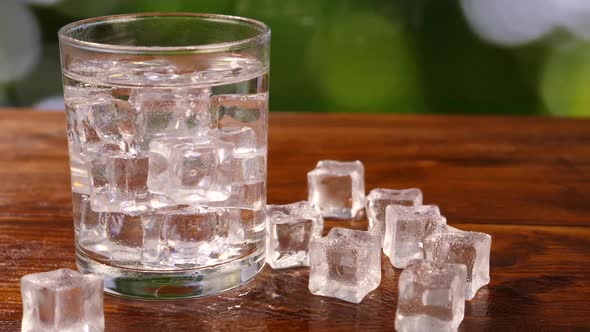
(525, 181)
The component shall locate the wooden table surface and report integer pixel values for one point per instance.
(525, 181)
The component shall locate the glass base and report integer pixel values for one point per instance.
(179, 284)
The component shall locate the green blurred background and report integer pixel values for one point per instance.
(420, 56)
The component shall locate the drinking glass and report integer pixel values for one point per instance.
(167, 117)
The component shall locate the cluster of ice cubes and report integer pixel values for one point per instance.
(443, 266)
(136, 153)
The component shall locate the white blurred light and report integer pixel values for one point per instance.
(20, 42)
(54, 103)
(574, 15)
(510, 22)
(517, 22)
(43, 2)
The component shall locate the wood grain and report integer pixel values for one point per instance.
(525, 181)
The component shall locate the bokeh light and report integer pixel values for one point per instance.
(20, 43)
(509, 22)
(53, 103)
(362, 62)
(43, 2)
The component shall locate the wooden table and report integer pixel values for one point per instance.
(525, 181)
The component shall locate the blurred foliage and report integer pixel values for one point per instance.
(361, 60)
(346, 55)
(566, 79)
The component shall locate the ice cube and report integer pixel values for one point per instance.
(113, 236)
(248, 167)
(62, 300)
(183, 235)
(86, 221)
(160, 108)
(174, 112)
(346, 264)
(291, 228)
(246, 226)
(246, 196)
(110, 122)
(200, 171)
(119, 183)
(199, 118)
(378, 199)
(160, 149)
(469, 248)
(128, 174)
(243, 139)
(431, 296)
(337, 188)
(406, 227)
(243, 110)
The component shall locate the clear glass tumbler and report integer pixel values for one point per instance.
(167, 118)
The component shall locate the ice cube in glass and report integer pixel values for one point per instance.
(200, 171)
(119, 182)
(181, 235)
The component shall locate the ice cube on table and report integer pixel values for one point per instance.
(431, 296)
(469, 248)
(200, 171)
(406, 228)
(337, 188)
(62, 301)
(379, 199)
(346, 264)
(182, 235)
(290, 229)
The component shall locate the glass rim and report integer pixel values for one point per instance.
(261, 37)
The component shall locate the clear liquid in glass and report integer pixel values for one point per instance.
(168, 160)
